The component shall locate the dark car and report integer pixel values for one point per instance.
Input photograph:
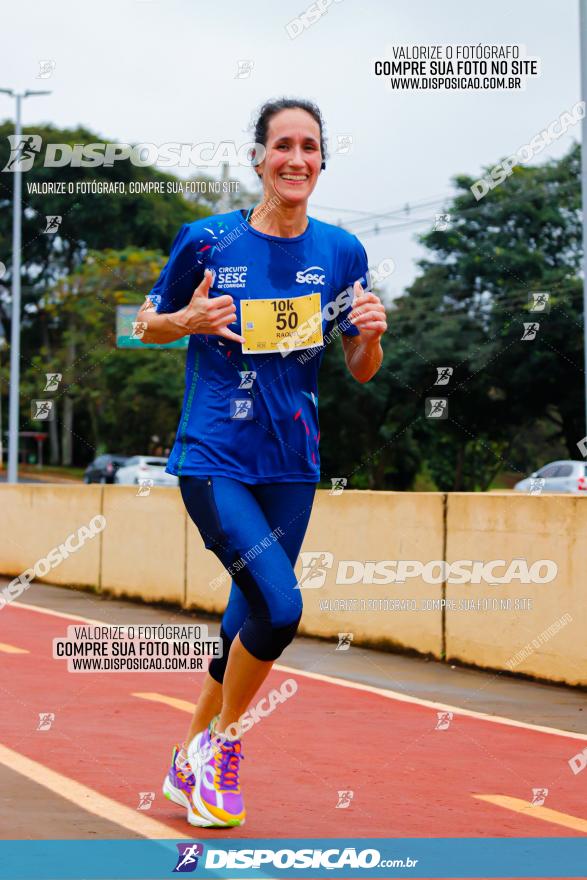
(103, 468)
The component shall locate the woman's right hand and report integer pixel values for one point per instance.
(208, 316)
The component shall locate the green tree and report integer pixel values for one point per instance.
(466, 310)
(121, 397)
(89, 221)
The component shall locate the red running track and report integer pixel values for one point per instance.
(409, 779)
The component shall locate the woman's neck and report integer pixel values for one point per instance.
(272, 217)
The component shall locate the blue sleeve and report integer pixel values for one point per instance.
(357, 269)
(180, 277)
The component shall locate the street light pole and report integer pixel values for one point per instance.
(13, 425)
(583, 32)
(2, 346)
(13, 408)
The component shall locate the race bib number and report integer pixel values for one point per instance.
(281, 325)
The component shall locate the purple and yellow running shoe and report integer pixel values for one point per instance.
(178, 786)
(216, 792)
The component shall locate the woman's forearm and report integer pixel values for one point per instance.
(157, 328)
(364, 360)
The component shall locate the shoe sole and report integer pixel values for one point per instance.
(180, 798)
(196, 765)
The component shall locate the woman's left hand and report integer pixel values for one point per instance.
(368, 314)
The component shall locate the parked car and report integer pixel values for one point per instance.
(103, 468)
(146, 467)
(557, 476)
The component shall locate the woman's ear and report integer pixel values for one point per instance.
(256, 167)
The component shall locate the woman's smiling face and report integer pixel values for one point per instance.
(293, 156)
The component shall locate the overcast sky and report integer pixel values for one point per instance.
(154, 71)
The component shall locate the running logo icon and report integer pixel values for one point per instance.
(53, 380)
(46, 68)
(345, 144)
(344, 641)
(187, 858)
(153, 301)
(241, 409)
(42, 410)
(53, 222)
(338, 485)
(539, 795)
(146, 798)
(444, 375)
(530, 331)
(539, 301)
(444, 719)
(46, 719)
(314, 565)
(344, 799)
(247, 378)
(442, 222)
(436, 408)
(244, 68)
(536, 485)
(23, 152)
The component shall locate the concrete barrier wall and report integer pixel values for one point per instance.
(150, 549)
(37, 518)
(144, 544)
(362, 527)
(540, 640)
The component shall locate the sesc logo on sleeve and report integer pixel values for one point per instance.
(269, 324)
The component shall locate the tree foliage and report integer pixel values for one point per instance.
(466, 310)
(512, 402)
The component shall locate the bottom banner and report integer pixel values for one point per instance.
(303, 858)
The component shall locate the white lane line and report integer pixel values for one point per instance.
(359, 686)
(52, 613)
(87, 799)
(407, 698)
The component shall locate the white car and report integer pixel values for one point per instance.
(145, 470)
(558, 476)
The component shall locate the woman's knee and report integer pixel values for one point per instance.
(217, 666)
(266, 641)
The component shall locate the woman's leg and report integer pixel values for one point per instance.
(257, 531)
(243, 678)
(286, 508)
(209, 704)
(235, 526)
(210, 699)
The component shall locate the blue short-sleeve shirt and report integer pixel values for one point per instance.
(254, 417)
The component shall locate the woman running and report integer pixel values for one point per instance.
(260, 293)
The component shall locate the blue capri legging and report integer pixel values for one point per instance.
(256, 532)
